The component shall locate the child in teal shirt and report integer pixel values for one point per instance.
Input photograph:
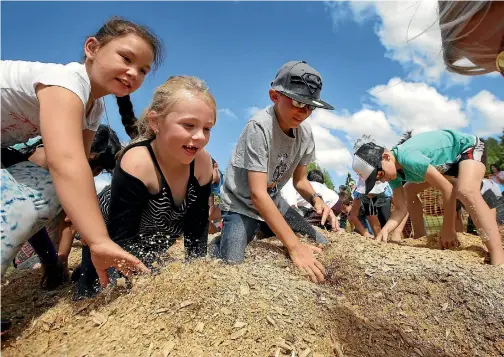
(431, 157)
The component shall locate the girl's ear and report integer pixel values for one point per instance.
(152, 117)
(91, 47)
(380, 174)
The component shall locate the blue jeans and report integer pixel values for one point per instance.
(238, 231)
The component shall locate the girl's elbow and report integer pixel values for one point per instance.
(60, 163)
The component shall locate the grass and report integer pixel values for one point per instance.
(433, 223)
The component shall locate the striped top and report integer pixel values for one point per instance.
(144, 223)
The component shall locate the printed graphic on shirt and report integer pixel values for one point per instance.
(280, 169)
(443, 168)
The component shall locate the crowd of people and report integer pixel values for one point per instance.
(165, 185)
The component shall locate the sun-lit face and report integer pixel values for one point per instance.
(389, 171)
(120, 66)
(183, 132)
(289, 116)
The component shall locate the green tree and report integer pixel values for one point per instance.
(495, 151)
(327, 178)
(349, 179)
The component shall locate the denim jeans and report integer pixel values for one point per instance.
(239, 230)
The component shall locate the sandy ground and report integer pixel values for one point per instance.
(405, 299)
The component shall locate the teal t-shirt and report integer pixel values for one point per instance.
(439, 148)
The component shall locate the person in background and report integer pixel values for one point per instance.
(215, 211)
(376, 206)
(497, 176)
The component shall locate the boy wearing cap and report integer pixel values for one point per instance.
(431, 157)
(276, 144)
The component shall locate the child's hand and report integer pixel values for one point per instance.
(368, 235)
(107, 253)
(382, 236)
(327, 214)
(448, 239)
(302, 257)
(69, 225)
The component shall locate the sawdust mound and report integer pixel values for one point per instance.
(407, 299)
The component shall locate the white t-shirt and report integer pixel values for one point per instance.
(495, 178)
(491, 185)
(378, 188)
(294, 199)
(20, 109)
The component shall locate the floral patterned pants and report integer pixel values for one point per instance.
(29, 202)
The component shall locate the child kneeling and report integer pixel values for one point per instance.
(275, 145)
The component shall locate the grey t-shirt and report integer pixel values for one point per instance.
(264, 147)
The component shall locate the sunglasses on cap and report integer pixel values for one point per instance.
(299, 104)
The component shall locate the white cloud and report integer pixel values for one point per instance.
(228, 112)
(418, 106)
(409, 31)
(251, 111)
(490, 109)
(331, 152)
(365, 121)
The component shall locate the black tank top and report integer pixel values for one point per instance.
(135, 216)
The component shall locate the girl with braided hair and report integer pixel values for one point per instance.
(64, 104)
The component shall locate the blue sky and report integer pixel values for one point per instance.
(379, 83)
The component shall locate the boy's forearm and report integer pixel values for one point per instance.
(269, 211)
(305, 189)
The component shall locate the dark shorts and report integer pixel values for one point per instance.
(477, 152)
(378, 207)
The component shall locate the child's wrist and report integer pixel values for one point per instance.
(292, 243)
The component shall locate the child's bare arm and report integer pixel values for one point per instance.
(400, 211)
(67, 233)
(301, 254)
(448, 233)
(39, 158)
(353, 217)
(305, 189)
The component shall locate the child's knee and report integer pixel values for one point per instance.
(236, 234)
(18, 225)
(468, 194)
(232, 247)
